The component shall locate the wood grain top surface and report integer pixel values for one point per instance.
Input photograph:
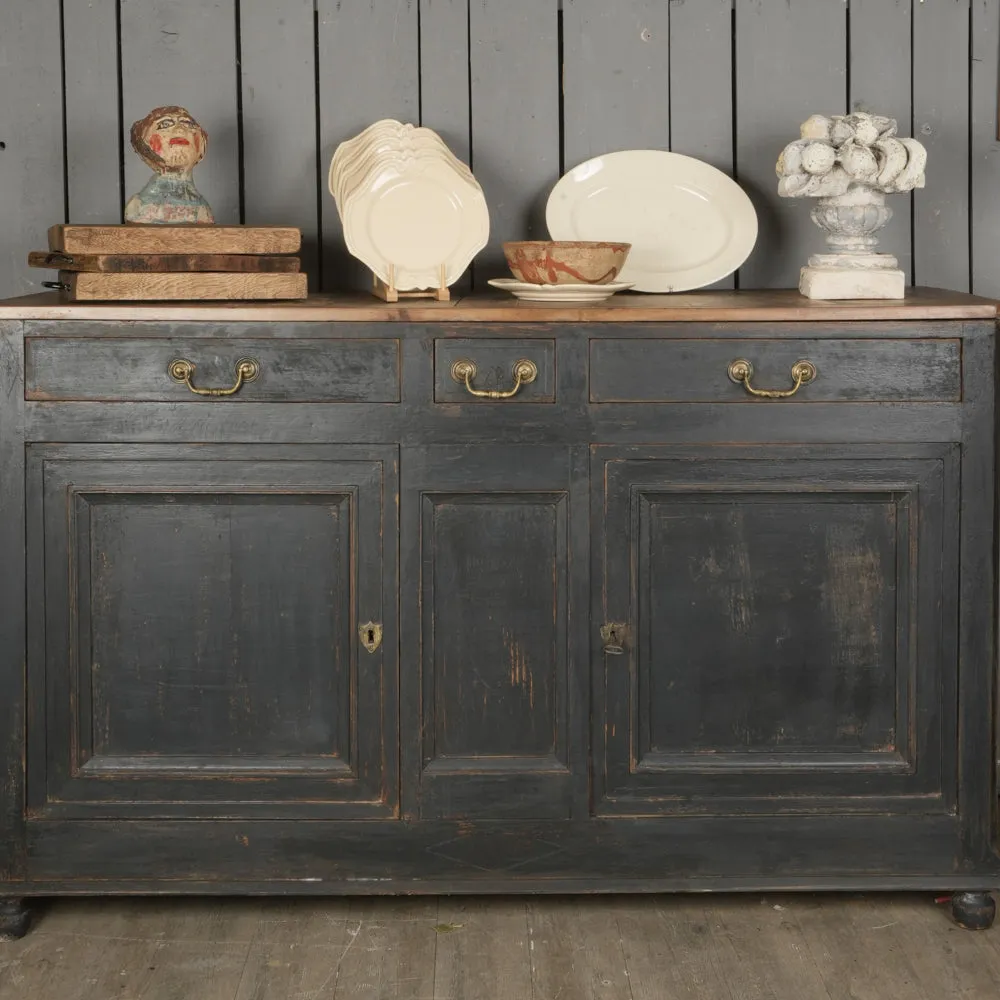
(782, 305)
(152, 239)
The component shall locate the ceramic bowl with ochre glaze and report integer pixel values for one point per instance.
(566, 262)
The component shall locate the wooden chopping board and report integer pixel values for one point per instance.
(144, 263)
(84, 286)
(179, 239)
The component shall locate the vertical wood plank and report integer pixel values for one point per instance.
(12, 601)
(368, 69)
(763, 948)
(175, 52)
(977, 670)
(515, 113)
(881, 64)
(444, 80)
(291, 935)
(701, 81)
(670, 951)
(985, 203)
(32, 188)
(577, 951)
(444, 72)
(616, 77)
(278, 81)
(93, 126)
(395, 951)
(774, 95)
(701, 85)
(941, 123)
(482, 948)
(876, 969)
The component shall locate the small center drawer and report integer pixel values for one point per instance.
(111, 369)
(856, 370)
(495, 370)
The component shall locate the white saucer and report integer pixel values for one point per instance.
(559, 293)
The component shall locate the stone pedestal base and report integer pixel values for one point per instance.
(862, 276)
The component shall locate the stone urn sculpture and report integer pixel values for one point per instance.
(850, 163)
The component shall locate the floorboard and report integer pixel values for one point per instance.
(801, 947)
(482, 949)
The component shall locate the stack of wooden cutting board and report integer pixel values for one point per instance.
(177, 262)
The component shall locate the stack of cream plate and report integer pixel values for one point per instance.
(411, 211)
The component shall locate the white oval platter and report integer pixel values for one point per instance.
(689, 223)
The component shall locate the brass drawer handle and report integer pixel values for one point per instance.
(803, 372)
(613, 636)
(182, 370)
(464, 371)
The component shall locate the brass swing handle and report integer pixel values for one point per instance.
(464, 371)
(803, 372)
(182, 370)
(613, 636)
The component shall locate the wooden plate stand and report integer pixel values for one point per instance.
(389, 292)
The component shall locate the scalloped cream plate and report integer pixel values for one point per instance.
(558, 293)
(411, 211)
(390, 141)
(688, 223)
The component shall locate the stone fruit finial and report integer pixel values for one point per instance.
(834, 153)
(850, 163)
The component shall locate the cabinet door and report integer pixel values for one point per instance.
(787, 626)
(194, 618)
(493, 641)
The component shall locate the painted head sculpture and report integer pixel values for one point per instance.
(172, 143)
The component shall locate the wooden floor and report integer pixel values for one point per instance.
(634, 948)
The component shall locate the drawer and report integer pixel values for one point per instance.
(494, 363)
(858, 370)
(322, 371)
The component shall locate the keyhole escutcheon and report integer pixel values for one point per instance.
(371, 635)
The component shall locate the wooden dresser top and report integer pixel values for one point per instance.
(713, 307)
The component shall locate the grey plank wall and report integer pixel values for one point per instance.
(514, 60)
(278, 83)
(941, 69)
(369, 68)
(616, 77)
(444, 80)
(701, 85)
(880, 77)
(278, 89)
(32, 185)
(985, 194)
(93, 124)
(791, 62)
(177, 52)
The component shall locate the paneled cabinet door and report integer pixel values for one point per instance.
(198, 631)
(782, 630)
(494, 588)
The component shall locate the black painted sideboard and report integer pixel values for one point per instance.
(675, 593)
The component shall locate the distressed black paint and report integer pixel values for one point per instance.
(806, 694)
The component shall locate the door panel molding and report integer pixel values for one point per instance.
(274, 558)
(650, 705)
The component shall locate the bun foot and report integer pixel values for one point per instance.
(14, 918)
(975, 911)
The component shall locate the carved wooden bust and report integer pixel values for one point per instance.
(172, 143)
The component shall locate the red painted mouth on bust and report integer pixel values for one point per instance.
(177, 141)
